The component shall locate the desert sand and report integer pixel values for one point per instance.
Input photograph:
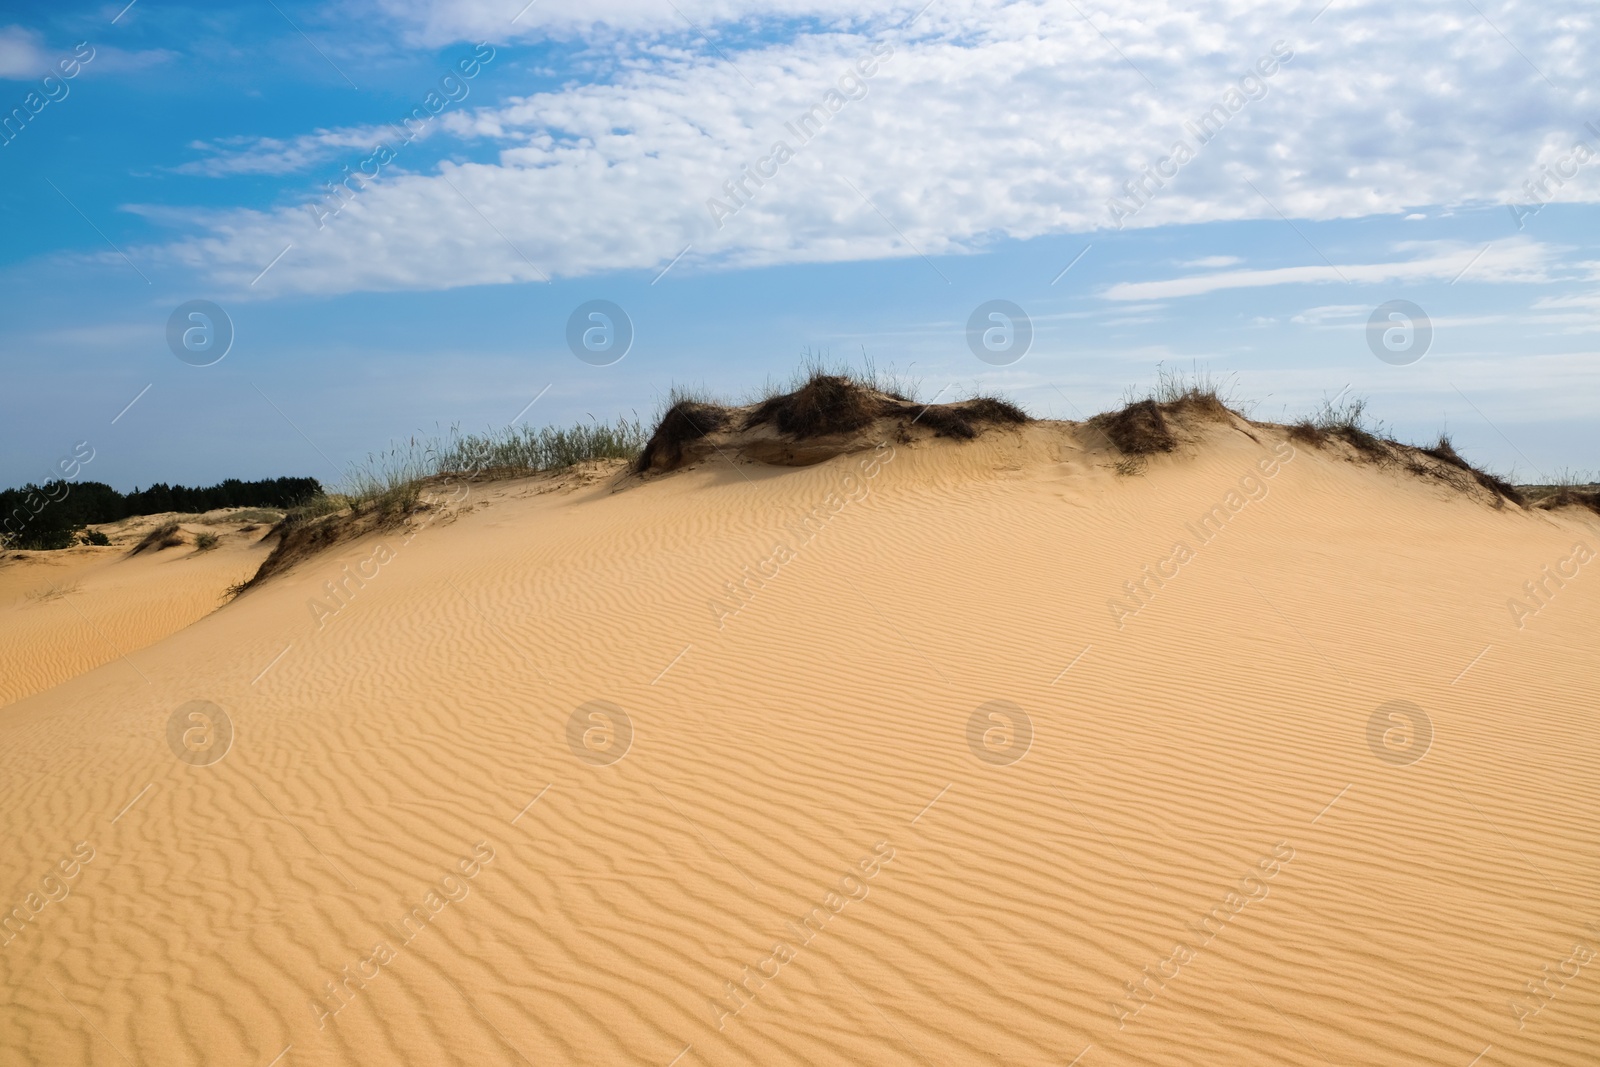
(798, 828)
(67, 611)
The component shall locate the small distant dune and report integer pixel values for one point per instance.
(66, 611)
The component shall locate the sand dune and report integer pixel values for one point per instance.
(68, 611)
(879, 760)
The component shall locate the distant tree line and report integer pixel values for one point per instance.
(49, 515)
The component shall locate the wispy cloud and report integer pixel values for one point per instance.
(270, 155)
(1514, 260)
(21, 58)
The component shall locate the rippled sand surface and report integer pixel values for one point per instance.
(942, 754)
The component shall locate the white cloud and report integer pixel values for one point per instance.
(1515, 260)
(431, 22)
(270, 155)
(1331, 313)
(24, 58)
(21, 58)
(1212, 262)
(991, 120)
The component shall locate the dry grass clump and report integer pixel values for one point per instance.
(313, 528)
(1445, 452)
(1195, 392)
(965, 420)
(167, 535)
(206, 542)
(1346, 420)
(1307, 432)
(1138, 429)
(688, 418)
(824, 404)
(1143, 426)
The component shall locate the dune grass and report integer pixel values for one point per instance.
(167, 535)
(525, 449)
(1345, 418)
(814, 364)
(1142, 426)
(1196, 389)
(393, 483)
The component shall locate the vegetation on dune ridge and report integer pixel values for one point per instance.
(388, 487)
(1345, 419)
(820, 402)
(827, 403)
(1569, 490)
(1143, 426)
(393, 481)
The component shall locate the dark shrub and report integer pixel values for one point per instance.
(1140, 429)
(684, 422)
(825, 404)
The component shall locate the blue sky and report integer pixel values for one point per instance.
(1355, 156)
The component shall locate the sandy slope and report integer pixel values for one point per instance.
(67, 611)
(1201, 799)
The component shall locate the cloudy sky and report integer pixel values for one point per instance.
(402, 212)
